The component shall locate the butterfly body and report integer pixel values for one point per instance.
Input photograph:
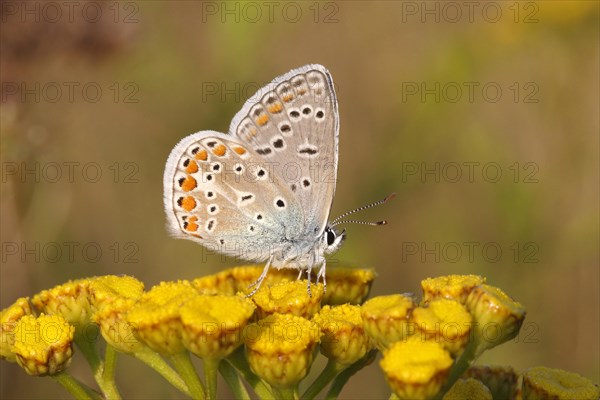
(263, 192)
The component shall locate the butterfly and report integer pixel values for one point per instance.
(264, 191)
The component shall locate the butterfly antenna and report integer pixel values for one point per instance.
(338, 220)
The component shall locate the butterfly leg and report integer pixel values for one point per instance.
(321, 274)
(256, 284)
(300, 271)
(308, 271)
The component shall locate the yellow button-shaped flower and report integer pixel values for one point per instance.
(501, 380)
(213, 325)
(280, 348)
(71, 300)
(542, 383)
(155, 318)
(445, 321)
(454, 287)
(8, 321)
(105, 289)
(288, 297)
(344, 338)
(115, 328)
(43, 345)
(416, 369)
(498, 317)
(386, 319)
(468, 389)
(348, 285)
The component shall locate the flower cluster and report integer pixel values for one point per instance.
(270, 340)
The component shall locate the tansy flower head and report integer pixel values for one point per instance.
(280, 348)
(502, 381)
(444, 321)
(386, 318)
(71, 300)
(416, 369)
(8, 320)
(546, 383)
(348, 285)
(288, 297)
(468, 389)
(115, 329)
(155, 317)
(105, 289)
(454, 287)
(43, 344)
(213, 325)
(498, 317)
(344, 339)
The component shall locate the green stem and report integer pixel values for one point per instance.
(110, 362)
(238, 360)
(90, 352)
(234, 380)
(210, 378)
(74, 387)
(331, 370)
(157, 363)
(345, 375)
(460, 366)
(183, 365)
(289, 393)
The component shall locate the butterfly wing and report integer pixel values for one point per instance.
(293, 123)
(220, 193)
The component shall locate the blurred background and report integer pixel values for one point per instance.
(483, 117)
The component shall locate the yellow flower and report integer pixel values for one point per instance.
(213, 325)
(468, 389)
(288, 298)
(105, 289)
(155, 318)
(344, 339)
(348, 285)
(498, 318)
(70, 300)
(546, 383)
(453, 287)
(238, 279)
(416, 369)
(115, 328)
(386, 318)
(8, 320)
(444, 321)
(502, 381)
(280, 348)
(43, 345)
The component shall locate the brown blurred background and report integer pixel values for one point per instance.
(482, 117)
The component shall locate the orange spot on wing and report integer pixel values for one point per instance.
(239, 150)
(188, 203)
(219, 150)
(262, 120)
(275, 108)
(202, 155)
(192, 167)
(301, 91)
(191, 225)
(189, 184)
(288, 97)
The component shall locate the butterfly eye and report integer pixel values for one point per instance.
(330, 237)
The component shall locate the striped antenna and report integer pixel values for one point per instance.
(339, 220)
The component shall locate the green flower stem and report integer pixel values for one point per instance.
(183, 365)
(110, 362)
(210, 378)
(238, 360)
(90, 352)
(331, 370)
(234, 381)
(460, 366)
(345, 375)
(288, 393)
(75, 387)
(157, 363)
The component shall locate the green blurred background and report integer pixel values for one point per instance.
(168, 69)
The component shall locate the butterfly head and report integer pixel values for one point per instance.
(333, 239)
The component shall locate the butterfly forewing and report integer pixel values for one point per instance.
(293, 124)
